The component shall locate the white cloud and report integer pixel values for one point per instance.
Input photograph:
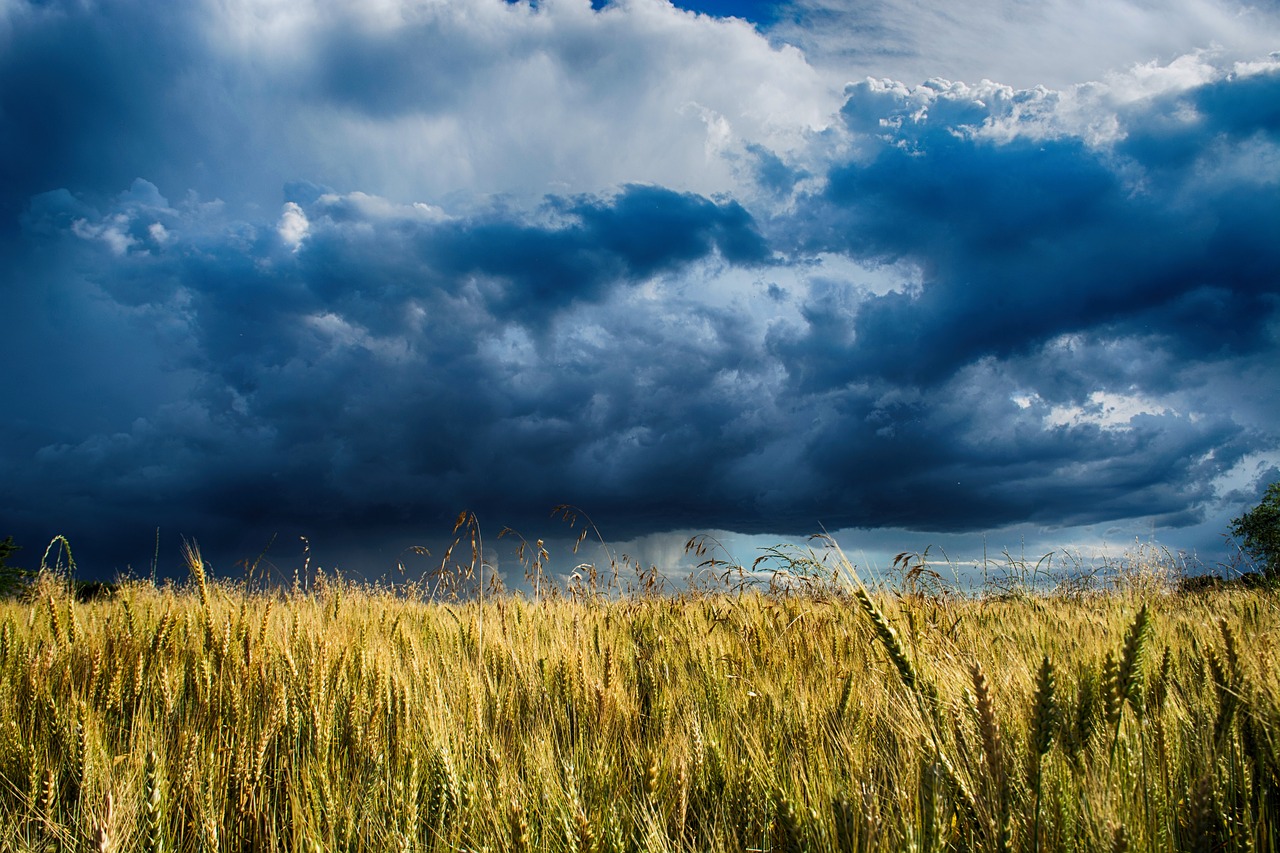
(375, 208)
(341, 334)
(1098, 112)
(1248, 472)
(1259, 66)
(293, 227)
(414, 101)
(1057, 43)
(1148, 79)
(111, 231)
(1108, 410)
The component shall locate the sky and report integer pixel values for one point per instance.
(997, 275)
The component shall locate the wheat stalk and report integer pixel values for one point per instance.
(1044, 719)
(1122, 681)
(924, 693)
(1129, 673)
(102, 828)
(988, 727)
(519, 827)
(153, 812)
(1044, 712)
(790, 832)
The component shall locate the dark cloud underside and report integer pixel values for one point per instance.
(954, 308)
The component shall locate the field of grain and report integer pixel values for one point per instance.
(206, 717)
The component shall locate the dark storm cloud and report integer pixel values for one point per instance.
(1050, 271)
(366, 366)
(52, 90)
(92, 95)
(964, 456)
(643, 232)
(959, 307)
(1023, 239)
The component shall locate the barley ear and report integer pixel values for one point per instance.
(848, 824)
(83, 763)
(968, 807)
(789, 829)
(1229, 649)
(55, 622)
(195, 563)
(48, 800)
(1043, 720)
(846, 693)
(1080, 731)
(651, 780)
(1229, 678)
(583, 835)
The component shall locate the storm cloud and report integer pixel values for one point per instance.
(346, 272)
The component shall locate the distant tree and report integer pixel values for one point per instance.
(12, 578)
(1258, 532)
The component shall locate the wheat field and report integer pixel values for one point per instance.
(823, 717)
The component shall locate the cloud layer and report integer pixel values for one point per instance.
(346, 269)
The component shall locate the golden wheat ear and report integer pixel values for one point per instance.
(1130, 675)
(1044, 711)
(888, 637)
(102, 828)
(153, 807)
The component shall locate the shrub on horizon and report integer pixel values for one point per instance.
(1258, 533)
(12, 578)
